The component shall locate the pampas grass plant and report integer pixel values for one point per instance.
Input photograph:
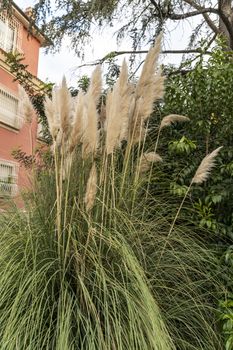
(85, 266)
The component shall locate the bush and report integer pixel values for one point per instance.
(205, 94)
(95, 262)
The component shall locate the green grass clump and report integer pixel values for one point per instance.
(93, 263)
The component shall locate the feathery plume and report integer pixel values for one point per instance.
(173, 118)
(126, 91)
(146, 159)
(27, 109)
(113, 118)
(64, 104)
(205, 167)
(91, 189)
(148, 71)
(90, 134)
(117, 111)
(77, 127)
(149, 88)
(95, 85)
(50, 113)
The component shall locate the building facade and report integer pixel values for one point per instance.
(14, 132)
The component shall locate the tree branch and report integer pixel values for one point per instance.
(176, 16)
(211, 23)
(219, 12)
(114, 54)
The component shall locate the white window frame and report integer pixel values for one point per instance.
(8, 182)
(7, 117)
(13, 24)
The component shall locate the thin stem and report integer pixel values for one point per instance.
(174, 221)
(58, 217)
(151, 168)
(67, 188)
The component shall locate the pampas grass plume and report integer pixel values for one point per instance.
(126, 96)
(91, 189)
(90, 134)
(173, 118)
(95, 86)
(117, 111)
(150, 87)
(77, 127)
(64, 103)
(146, 159)
(149, 66)
(205, 167)
(113, 118)
(50, 113)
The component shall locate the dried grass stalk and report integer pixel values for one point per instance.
(90, 134)
(77, 127)
(95, 86)
(146, 159)
(173, 118)
(117, 111)
(64, 106)
(205, 167)
(146, 80)
(149, 88)
(51, 114)
(126, 90)
(91, 189)
(27, 109)
(113, 118)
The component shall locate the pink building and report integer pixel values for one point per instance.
(14, 132)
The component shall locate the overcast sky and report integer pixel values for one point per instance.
(53, 66)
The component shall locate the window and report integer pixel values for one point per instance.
(10, 33)
(9, 108)
(7, 36)
(8, 178)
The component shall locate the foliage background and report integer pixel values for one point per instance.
(205, 94)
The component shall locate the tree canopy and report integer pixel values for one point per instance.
(141, 19)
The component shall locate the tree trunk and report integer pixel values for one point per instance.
(227, 10)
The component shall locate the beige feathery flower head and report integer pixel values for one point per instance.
(126, 90)
(91, 189)
(50, 112)
(146, 159)
(205, 167)
(117, 111)
(26, 107)
(90, 132)
(64, 107)
(77, 127)
(150, 87)
(95, 86)
(173, 118)
(148, 71)
(113, 118)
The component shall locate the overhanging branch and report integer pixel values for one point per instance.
(218, 11)
(176, 16)
(114, 54)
